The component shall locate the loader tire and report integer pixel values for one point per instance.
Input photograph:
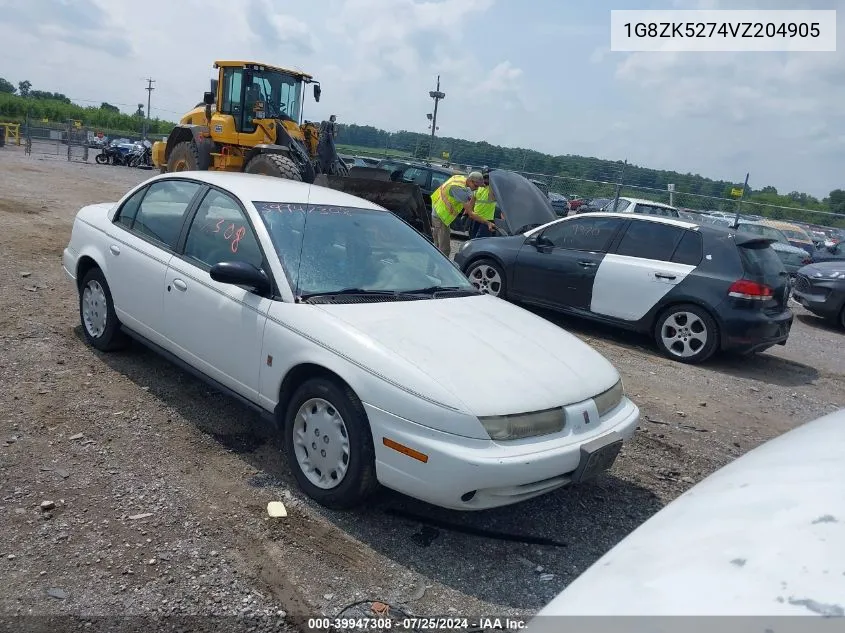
(273, 165)
(184, 157)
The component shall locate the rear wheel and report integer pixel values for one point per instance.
(184, 157)
(96, 311)
(101, 159)
(488, 277)
(686, 333)
(276, 165)
(329, 444)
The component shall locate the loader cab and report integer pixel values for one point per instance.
(248, 93)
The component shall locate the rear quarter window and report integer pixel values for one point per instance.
(689, 250)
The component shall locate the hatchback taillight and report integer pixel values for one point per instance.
(745, 289)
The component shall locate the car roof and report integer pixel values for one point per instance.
(684, 224)
(254, 187)
(780, 224)
(644, 201)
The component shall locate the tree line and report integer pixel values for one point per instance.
(587, 175)
(22, 103)
(569, 168)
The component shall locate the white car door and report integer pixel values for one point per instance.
(138, 250)
(651, 259)
(217, 328)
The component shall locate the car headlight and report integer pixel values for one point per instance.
(522, 425)
(610, 399)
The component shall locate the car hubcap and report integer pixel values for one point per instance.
(486, 279)
(321, 443)
(684, 334)
(94, 310)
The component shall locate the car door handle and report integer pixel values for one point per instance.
(180, 285)
(587, 264)
(114, 249)
(665, 276)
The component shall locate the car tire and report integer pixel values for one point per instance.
(320, 401)
(842, 318)
(488, 277)
(100, 325)
(686, 333)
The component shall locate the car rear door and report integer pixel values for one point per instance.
(559, 271)
(640, 270)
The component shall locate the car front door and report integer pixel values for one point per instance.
(651, 258)
(559, 269)
(141, 244)
(215, 327)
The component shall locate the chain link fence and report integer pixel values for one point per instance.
(69, 141)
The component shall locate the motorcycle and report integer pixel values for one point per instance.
(116, 153)
(141, 155)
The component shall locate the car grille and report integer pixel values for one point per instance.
(802, 283)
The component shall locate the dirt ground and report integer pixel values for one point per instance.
(160, 485)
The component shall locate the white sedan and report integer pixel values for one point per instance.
(337, 320)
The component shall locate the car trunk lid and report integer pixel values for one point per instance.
(763, 269)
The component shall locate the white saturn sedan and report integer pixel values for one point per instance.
(337, 320)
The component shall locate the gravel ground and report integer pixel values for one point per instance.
(156, 487)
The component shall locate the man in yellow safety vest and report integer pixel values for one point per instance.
(482, 209)
(447, 203)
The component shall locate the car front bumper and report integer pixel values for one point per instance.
(470, 474)
(69, 259)
(824, 297)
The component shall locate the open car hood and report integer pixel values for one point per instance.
(521, 203)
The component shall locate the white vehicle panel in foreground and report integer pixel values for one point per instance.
(765, 535)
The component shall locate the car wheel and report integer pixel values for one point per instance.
(329, 444)
(686, 333)
(488, 277)
(96, 311)
(842, 318)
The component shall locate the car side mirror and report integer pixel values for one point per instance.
(241, 274)
(532, 241)
(208, 98)
(317, 92)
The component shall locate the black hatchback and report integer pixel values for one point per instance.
(696, 288)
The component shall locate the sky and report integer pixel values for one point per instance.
(530, 73)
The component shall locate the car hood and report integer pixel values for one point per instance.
(523, 205)
(757, 537)
(824, 269)
(493, 357)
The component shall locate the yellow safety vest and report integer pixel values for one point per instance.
(483, 207)
(444, 205)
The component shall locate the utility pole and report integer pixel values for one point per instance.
(739, 202)
(619, 185)
(149, 90)
(437, 96)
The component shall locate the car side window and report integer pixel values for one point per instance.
(622, 206)
(583, 234)
(690, 250)
(220, 232)
(127, 213)
(438, 179)
(649, 240)
(162, 210)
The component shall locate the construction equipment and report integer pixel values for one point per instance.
(252, 121)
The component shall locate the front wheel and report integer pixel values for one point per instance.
(686, 333)
(96, 311)
(101, 159)
(488, 277)
(329, 444)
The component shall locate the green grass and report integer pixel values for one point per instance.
(357, 150)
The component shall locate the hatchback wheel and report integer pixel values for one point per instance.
(488, 277)
(96, 311)
(329, 444)
(686, 333)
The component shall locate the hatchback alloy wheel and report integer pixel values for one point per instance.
(487, 278)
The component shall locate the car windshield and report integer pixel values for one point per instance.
(279, 92)
(765, 231)
(330, 249)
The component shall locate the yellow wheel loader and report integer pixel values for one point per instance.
(252, 121)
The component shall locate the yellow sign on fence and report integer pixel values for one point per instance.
(445, 155)
(736, 192)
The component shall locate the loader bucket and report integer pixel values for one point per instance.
(403, 199)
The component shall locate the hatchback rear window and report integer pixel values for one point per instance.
(760, 260)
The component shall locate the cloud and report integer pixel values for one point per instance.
(281, 31)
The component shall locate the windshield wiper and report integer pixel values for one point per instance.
(349, 291)
(434, 290)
